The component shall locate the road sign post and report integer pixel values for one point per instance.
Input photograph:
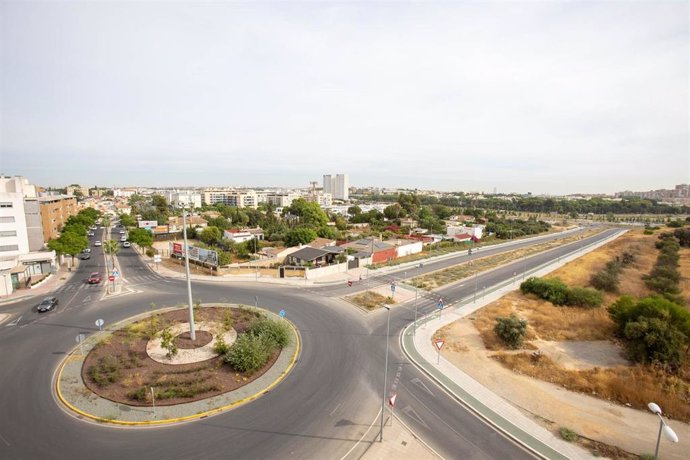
(80, 339)
(439, 305)
(99, 323)
(393, 288)
(439, 345)
(391, 402)
(282, 314)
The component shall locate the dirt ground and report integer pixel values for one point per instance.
(137, 370)
(577, 353)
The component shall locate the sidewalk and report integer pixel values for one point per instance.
(50, 283)
(491, 407)
(399, 442)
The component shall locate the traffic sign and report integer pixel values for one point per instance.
(116, 273)
(349, 283)
(157, 258)
(391, 400)
(282, 313)
(439, 305)
(111, 278)
(99, 323)
(80, 338)
(439, 344)
(393, 287)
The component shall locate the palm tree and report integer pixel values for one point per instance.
(111, 247)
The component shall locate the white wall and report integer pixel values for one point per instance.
(408, 249)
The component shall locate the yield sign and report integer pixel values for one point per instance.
(439, 344)
(392, 399)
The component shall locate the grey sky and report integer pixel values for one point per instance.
(547, 97)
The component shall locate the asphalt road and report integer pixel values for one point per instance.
(320, 410)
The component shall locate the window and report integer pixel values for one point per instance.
(6, 219)
(9, 247)
(8, 233)
(5, 204)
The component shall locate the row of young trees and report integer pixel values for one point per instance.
(73, 237)
(628, 205)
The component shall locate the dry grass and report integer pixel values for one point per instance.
(371, 300)
(579, 271)
(634, 385)
(443, 334)
(546, 321)
(685, 275)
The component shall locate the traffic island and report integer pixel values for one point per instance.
(146, 370)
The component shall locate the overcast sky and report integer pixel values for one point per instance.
(546, 97)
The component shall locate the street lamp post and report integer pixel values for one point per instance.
(192, 333)
(385, 373)
(416, 296)
(668, 432)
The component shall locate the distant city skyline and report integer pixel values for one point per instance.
(544, 97)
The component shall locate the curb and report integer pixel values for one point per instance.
(57, 375)
(481, 410)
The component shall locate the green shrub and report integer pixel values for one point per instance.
(220, 347)
(553, 290)
(584, 297)
(168, 342)
(106, 371)
(140, 394)
(511, 330)
(276, 330)
(228, 319)
(605, 280)
(567, 434)
(150, 252)
(654, 328)
(249, 353)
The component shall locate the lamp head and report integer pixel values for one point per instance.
(654, 408)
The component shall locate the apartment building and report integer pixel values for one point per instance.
(55, 210)
(281, 200)
(21, 236)
(337, 185)
(324, 200)
(240, 199)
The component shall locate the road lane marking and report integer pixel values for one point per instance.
(415, 416)
(15, 322)
(336, 408)
(4, 440)
(421, 384)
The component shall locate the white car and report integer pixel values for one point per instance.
(123, 238)
(87, 250)
(126, 244)
(97, 243)
(122, 232)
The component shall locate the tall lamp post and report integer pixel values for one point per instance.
(385, 373)
(416, 295)
(192, 333)
(663, 427)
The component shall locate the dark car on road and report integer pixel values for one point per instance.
(94, 278)
(49, 303)
(85, 256)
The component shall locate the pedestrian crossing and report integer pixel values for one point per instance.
(129, 280)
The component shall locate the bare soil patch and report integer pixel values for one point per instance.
(184, 340)
(370, 300)
(119, 369)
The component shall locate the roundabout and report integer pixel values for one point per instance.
(127, 375)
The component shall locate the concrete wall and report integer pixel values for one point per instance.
(314, 273)
(409, 249)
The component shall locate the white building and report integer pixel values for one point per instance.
(323, 199)
(476, 231)
(240, 199)
(186, 198)
(124, 192)
(281, 200)
(21, 235)
(338, 186)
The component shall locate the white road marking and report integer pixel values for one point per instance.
(421, 384)
(336, 408)
(415, 416)
(15, 322)
(4, 440)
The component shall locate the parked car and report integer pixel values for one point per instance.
(91, 234)
(126, 244)
(85, 256)
(123, 238)
(49, 303)
(87, 250)
(122, 232)
(94, 278)
(97, 243)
